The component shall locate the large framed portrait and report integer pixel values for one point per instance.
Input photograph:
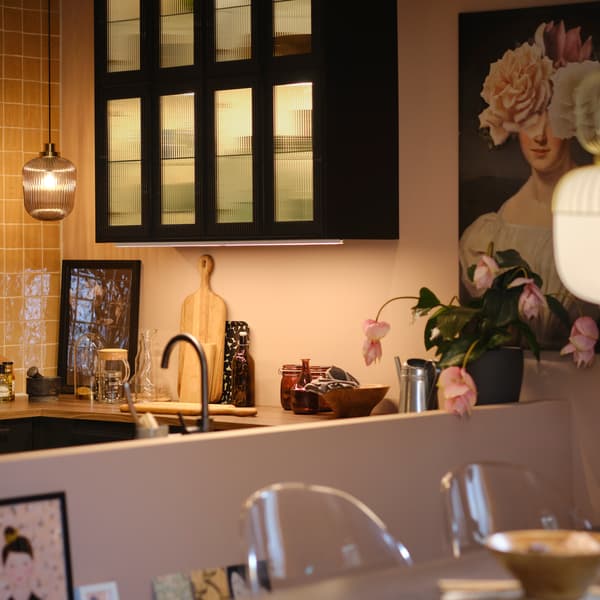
(517, 72)
(35, 548)
(99, 308)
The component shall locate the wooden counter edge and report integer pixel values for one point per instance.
(67, 407)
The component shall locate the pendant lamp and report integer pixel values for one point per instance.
(49, 181)
(576, 202)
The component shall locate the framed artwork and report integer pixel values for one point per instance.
(517, 73)
(98, 591)
(99, 308)
(35, 548)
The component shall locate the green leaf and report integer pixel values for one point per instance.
(510, 258)
(529, 337)
(471, 272)
(559, 310)
(453, 320)
(502, 306)
(427, 300)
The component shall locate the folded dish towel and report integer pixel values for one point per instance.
(491, 589)
(334, 378)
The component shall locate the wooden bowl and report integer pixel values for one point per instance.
(354, 402)
(553, 564)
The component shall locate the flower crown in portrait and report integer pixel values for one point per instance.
(538, 77)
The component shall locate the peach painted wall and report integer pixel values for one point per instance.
(303, 301)
(30, 251)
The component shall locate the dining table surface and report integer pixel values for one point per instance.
(420, 581)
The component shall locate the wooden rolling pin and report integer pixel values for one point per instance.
(190, 409)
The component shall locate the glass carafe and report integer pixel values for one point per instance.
(113, 372)
(303, 401)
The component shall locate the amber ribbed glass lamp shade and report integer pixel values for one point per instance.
(49, 183)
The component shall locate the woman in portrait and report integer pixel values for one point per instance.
(529, 93)
(18, 564)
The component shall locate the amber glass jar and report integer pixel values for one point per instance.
(289, 376)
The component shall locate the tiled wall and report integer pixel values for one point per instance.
(30, 251)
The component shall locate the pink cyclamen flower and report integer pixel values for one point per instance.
(374, 331)
(583, 338)
(531, 298)
(457, 390)
(485, 272)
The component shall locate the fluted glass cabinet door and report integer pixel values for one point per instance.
(123, 35)
(124, 162)
(233, 145)
(176, 33)
(177, 159)
(293, 152)
(233, 30)
(292, 27)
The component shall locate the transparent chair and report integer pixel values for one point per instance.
(482, 498)
(298, 533)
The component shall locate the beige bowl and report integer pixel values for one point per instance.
(354, 402)
(549, 564)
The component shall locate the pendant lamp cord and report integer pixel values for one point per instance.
(49, 86)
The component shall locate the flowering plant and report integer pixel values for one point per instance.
(511, 298)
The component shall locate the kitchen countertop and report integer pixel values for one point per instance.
(67, 407)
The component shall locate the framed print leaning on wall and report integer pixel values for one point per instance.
(35, 548)
(517, 72)
(99, 308)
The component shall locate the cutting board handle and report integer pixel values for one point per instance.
(206, 266)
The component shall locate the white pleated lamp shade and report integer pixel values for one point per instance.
(576, 200)
(49, 183)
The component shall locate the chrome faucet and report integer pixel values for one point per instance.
(186, 337)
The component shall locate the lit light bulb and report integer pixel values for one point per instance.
(49, 181)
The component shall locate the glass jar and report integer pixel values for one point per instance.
(303, 401)
(289, 375)
(113, 372)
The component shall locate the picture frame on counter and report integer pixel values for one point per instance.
(35, 546)
(99, 308)
(98, 591)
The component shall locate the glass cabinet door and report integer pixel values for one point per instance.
(291, 27)
(123, 35)
(233, 30)
(177, 159)
(233, 164)
(124, 162)
(293, 152)
(176, 33)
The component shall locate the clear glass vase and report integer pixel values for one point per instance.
(143, 380)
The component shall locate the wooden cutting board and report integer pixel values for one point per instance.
(203, 315)
(190, 409)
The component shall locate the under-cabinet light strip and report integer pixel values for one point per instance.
(230, 243)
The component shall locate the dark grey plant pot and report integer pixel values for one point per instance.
(498, 375)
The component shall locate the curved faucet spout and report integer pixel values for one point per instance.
(186, 337)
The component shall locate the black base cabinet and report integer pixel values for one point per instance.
(42, 433)
(16, 435)
(58, 433)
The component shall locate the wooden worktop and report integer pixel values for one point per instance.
(67, 407)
